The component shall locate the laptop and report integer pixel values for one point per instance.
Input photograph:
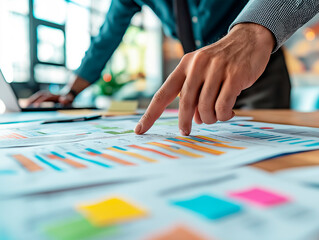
(11, 103)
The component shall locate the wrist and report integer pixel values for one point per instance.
(260, 35)
(74, 87)
(69, 93)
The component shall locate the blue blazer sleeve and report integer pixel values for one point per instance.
(104, 44)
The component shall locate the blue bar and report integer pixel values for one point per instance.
(58, 155)
(209, 130)
(288, 140)
(177, 140)
(200, 140)
(259, 135)
(7, 172)
(93, 151)
(242, 132)
(313, 144)
(280, 138)
(89, 160)
(306, 141)
(48, 163)
(119, 148)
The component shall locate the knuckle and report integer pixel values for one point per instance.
(160, 96)
(223, 111)
(187, 57)
(209, 120)
(221, 107)
(204, 107)
(201, 57)
(146, 117)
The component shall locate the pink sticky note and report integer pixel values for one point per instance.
(260, 197)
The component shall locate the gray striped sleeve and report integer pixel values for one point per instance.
(281, 17)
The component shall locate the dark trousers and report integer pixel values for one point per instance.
(271, 90)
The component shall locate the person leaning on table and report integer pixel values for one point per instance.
(215, 77)
(204, 22)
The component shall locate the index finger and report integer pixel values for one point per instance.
(163, 97)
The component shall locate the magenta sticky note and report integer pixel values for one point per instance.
(261, 197)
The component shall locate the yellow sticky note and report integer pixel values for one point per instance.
(123, 106)
(111, 211)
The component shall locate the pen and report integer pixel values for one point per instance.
(80, 119)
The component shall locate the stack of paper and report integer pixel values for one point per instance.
(98, 180)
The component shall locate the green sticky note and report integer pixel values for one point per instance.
(78, 229)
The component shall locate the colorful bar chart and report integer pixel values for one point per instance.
(12, 135)
(175, 149)
(88, 160)
(280, 139)
(149, 152)
(70, 162)
(153, 151)
(49, 164)
(194, 146)
(207, 142)
(27, 163)
(93, 152)
(132, 154)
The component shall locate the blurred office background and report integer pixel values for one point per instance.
(43, 41)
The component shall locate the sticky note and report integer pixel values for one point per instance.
(178, 233)
(111, 211)
(260, 197)
(123, 106)
(76, 229)
(210, 207)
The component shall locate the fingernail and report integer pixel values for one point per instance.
(138, 128)
(183, 132)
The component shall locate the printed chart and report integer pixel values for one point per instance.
(115, 156)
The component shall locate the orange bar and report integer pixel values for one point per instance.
(180, 151)
(211, 144)
(196, 147)
(67, 161)
(227, 146)
(112, 158)
(27, 163)
(188, 140)
(211, 139)
(153, 150)
(18, 135)
(136, 155)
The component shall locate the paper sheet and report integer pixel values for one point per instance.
(203, 206)
(304, 175)
(111, 155)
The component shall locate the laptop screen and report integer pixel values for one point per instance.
(7, 96)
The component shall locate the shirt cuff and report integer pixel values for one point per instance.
(282, 18)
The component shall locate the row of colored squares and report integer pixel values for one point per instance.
(104, 216)
(280, 139)
(251, 126)
(182, 146)
(80, 228)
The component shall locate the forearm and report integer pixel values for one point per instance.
(104, 44)
(282, 18)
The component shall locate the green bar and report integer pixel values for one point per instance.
(118, 133)
(78, 229)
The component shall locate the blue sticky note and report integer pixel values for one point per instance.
(210, 207)
(7, 172)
